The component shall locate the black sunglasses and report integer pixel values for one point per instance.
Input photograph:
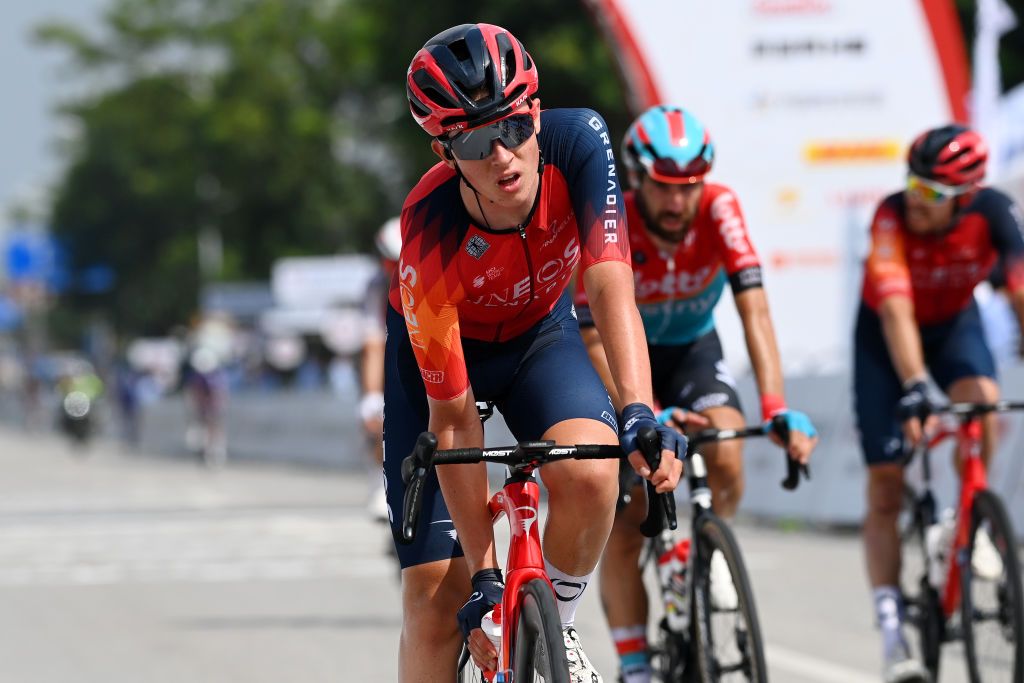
(476, 144)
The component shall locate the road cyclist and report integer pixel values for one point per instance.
(480, 310)
(688, 238)
(931, 244)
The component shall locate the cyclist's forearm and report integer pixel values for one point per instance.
(762, 347)
(902, 338)
(592, 340)
(610, 290)
(456, 424)
(372, 369)
(1017, 301)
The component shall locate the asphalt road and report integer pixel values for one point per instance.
(123, 567)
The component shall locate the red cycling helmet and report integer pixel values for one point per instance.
(468, 76)
(952, 155)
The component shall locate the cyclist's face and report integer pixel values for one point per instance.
(925, 216)
(672, 206)
(508, 177)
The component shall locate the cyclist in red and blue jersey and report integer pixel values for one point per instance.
(687, 239)
(930, 245)
(480, 310)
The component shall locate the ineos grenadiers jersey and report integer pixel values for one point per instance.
(457, 279)
(677, 292)
(939, 272)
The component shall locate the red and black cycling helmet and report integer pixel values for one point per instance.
(952, 155)
(468, 76)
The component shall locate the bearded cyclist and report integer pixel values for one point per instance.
(480, 310)
(930, 245)
(687, 239)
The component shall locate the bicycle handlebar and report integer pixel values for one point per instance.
(777, 425)
(416, 466)
(978, 409)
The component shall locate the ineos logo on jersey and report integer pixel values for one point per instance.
(552, 273)
(407, 278)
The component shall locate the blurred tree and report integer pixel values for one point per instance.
(280, 124)
(1011, 47)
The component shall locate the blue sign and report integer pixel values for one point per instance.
(36, 257)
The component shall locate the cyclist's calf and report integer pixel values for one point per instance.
(431, 595)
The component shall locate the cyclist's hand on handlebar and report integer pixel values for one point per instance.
(680, 419)
(488, 587)
(636, 416)
(915, 411)
(802, 436)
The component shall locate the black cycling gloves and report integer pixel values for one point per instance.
(488, 585)
(915, 402)
(635, 416)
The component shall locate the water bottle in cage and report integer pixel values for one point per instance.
(672, 575)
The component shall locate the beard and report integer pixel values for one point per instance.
(653, 223)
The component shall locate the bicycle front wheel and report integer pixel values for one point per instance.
(729, 646)
(538, 651)
(992, 605)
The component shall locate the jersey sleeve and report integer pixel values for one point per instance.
(594, 188)
(1006, 226)
(430, 294)
(741, 261)
(886, 272)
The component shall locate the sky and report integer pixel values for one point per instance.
(32, 85)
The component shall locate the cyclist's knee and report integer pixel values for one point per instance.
(431, 595)
(885, 490)
(979, 389)
(591, 484)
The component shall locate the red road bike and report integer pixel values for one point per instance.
(981, 599)
(532, 647)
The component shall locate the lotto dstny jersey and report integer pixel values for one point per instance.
(939, 272)
(677, 291)
(456, 279)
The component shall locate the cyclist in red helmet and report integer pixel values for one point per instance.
(930, 245)
(480, 310)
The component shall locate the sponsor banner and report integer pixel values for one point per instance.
(811, 105)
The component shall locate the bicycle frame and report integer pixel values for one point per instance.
(519, 502)
(973, 478)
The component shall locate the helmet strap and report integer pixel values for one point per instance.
(533, 209)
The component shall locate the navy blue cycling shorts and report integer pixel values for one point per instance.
(953, 350)
(536, 380)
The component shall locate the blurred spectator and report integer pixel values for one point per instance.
(371, 406)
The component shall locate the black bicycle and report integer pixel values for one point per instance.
(703, 636)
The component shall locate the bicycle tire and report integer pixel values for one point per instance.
(747, 663)
(924, 607)
(538, 648)
(989, 513)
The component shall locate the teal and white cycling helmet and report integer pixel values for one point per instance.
(670, 145)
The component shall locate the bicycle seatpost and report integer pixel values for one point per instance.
(661, 507)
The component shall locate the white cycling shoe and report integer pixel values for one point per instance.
(580, 668)
(986, 561)
(901, 667)
(723, 592)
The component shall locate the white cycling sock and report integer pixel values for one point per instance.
(889, 612)
(568, 589)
